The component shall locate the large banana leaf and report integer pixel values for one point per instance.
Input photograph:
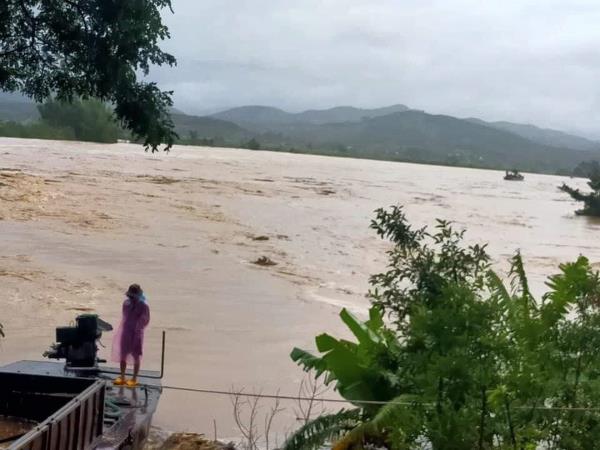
(354, 367)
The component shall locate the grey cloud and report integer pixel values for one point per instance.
(523, 60)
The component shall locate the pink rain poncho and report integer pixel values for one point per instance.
(128, 341)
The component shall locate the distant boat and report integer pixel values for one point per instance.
(513, 175)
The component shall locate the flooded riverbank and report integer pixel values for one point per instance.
(80, 222)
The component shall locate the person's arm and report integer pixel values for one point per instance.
(145, 319)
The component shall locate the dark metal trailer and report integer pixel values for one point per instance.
(68, 411)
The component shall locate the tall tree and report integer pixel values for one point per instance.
(90, 48)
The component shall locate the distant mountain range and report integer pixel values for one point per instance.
(391, 133)
(544, 136)
(209, 127)
(400, 133)
(266, 116)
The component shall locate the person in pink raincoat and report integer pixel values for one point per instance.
(128, 341)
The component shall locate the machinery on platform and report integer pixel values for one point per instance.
(78, 344)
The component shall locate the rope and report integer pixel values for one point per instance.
(358, 402)
(280, 397)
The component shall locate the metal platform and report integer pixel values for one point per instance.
(58, 369)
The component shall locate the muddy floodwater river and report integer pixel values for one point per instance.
(79, 222)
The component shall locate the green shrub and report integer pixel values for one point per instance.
(463, 361)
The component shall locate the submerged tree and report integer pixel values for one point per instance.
(464, 361)
(591, 200)
(90, 48)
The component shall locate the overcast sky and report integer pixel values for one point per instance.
(519, 60)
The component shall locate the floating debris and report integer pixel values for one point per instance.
(265, 261)
(159, 179)
(513, 175)
(326, 192)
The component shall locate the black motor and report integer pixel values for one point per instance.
(77, 344)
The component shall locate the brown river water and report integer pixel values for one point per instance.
(79, 222)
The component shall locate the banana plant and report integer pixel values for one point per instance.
(362, 370)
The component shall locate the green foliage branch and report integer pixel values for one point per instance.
(90, 48)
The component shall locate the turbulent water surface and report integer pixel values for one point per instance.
(79, 222)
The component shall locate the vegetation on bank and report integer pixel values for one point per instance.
(416, 155)
(464, 360)
(83, 120)
(590, 200)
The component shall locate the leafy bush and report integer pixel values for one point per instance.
(463, 361)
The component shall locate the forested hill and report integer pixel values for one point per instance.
(209, 128)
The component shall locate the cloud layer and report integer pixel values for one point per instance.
(520, 60)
